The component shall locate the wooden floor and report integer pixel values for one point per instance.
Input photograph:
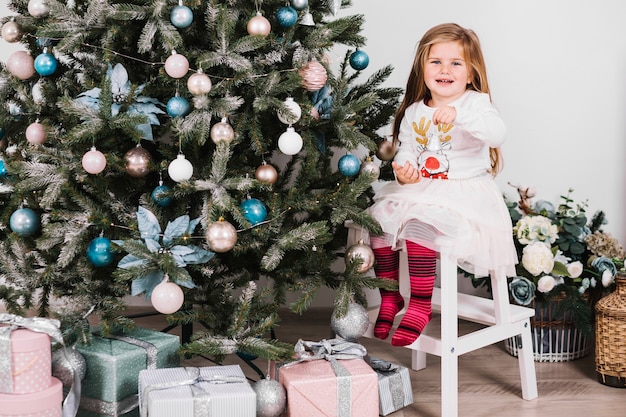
(489, 384)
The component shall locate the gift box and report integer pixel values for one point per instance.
(30, 367)
(113, 364)
(45, 403)
(209, 391)
(394, 386)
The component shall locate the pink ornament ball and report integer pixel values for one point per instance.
(36, 134)
(313, 75)
(94, 161)
(176, 65)
(21, 65)
(167, 297)
(259, 25)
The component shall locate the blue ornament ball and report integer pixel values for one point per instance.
(359, 60)
(2, 132)
(178, 107)
(181, 16)
(24, 222)
(349, 165)
(254, 210)
(45, 64)
(158, 196)
(3, 169)
(99, 252)
(286, 16)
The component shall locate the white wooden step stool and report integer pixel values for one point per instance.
(502, 320)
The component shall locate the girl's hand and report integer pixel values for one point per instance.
(444, 114)
(406, 174)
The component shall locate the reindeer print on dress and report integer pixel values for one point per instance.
(432, 161)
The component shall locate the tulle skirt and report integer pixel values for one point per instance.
(467, 218)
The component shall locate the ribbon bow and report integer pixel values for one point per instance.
(41, 325)
(382, 366)
(329, 349)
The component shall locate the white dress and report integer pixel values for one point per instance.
(456, 206)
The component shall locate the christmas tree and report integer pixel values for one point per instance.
(200, 153)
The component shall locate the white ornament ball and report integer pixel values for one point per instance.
(259, 25)
(36, 134)
(222, 132)
(199, 83)
(94, 161)
(21, 64)
(180, 169)
(294, 113)
(167, 297)
(271, 398)
(313, 75)
(290, 142)
(176, 65)
(353, 325)
(37, 93)
(38, 8)
(362, 251)
(221, 236)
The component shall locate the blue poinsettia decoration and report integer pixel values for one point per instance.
(158, 253)
(121, 88)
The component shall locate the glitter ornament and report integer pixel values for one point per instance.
(386, 151)
(176, 65)
(159, 195)
(254, 210)
(37, 93)
(266, 173)
(221, 236)
(290, 142)
(349, 165)
(370, 167)
(359, 60)
(178, 106)
(199, 83)
(299, 4)
(286, 16)
(222, 132)
(313, 76)
(167, 297)
(38, 8)
(35, 133)
(24, 222)
(94, 161)
(137, 162)
(180, 169)
(45, 64)
(21, 65)
(259, 25)
(99, 252)
(353, 325)
(11, 31)
(181, 16)
(293, 115)
(65, 363)
(271, 398)
(362, 251)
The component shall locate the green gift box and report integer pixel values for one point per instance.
(110, 385)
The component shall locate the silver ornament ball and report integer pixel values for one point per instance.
(271, 398)
(65, 362)
(299, 4)
(362, 251)
(353, 325)
(370, 167)
(222, 132)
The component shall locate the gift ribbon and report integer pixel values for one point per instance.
(41, 325)
(396, 388)
(201, 398)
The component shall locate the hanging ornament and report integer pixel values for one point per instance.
(38, 8)
(362, 251)
(176, 65)
(94, 161)
(313, 76)
(386, 151)
(221, 236)
(266, 173)
(353, 325)
(181, 16)
(11, 31)
(178, 106)
(359, 60)
(24, 222)
(349, 165)
(370, 167)
(21, 65)
(222, 132)
(271, 398)
(180, 169)
(35, 133)
(3, 169)
(290, 142)
(66, 362)
(199, 83)
(259, 25)
(254, 210)
(333, 6)
(137, 162)
(45, 63)
(37, 93)
(299, 4)
(99, 252)
(293, 115)
(286, 16)
(307, 19)
(160, 195)
(167, 297)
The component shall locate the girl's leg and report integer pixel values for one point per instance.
(386, 267)
(422, 272)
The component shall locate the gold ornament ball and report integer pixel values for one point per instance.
(137, 162)
(363, 251)
(221, 236)
(266, 174)
(199, 84)
(11, 32)
(222, 132)
(259, 25)
(386, 150)
(313, 75)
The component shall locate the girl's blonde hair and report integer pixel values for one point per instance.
(416, 89)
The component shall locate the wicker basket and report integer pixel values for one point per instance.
(554, 340)
(611, 336)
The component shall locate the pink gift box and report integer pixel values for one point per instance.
(31, 362)
(46, 403)
(312, 389)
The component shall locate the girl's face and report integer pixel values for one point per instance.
(446, 73)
